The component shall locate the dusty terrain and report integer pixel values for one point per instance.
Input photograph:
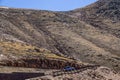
(18, 73)
(52, 40)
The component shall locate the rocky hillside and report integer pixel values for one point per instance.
(22, 55)
(101, 73)
(104, 17)
(46, 39)
(104, 14)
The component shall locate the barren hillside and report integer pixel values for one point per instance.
(53, 40)
(104, 17)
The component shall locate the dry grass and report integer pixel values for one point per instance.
(24, 49)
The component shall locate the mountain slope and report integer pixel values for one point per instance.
(54, 40)
(23, 55)
(103, 15)
(62, 34)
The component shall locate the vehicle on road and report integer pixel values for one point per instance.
(69, 68)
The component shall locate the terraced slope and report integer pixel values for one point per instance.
(22, 55)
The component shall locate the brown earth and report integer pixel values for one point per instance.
(47, 39)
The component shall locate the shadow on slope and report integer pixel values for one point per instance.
(19, 75)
